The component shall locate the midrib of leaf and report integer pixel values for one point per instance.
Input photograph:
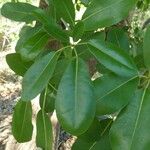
(24, 13)
(45, 134)
(112, 5)
(111, 58)
(111, 91)
(68, 12)
(22, 127)
(42, 37)
(38, 78)
(139, 112)
(50, 61)
(101, 135)
(38, 30)
(47, 66)
(76, 86)
(44, 101)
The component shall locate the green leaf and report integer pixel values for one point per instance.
(130, 130)
(26, 33)
(146, 48)
(78, 31)
(65, 9)
(21, 124)
(100, 35)
(113, 58)
(47, 100)
(19, 11)
(44, 136)
(102, 13)
(93, 133)
(33, 44)
(102, 144)
(80, 144)
(58, 73)
(75, 105)
(17, 64)
(113, 93)
(50, 26)
(85, 2)
(93, 136)
(119, 37)
(38, 76)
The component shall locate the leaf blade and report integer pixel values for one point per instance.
(50, 26)
(101, 13)
(113, 58)
(20, 11)
(136, 137)
(113, 93)
(17, 64)
(44, 136)
(21, 125)
(33, 81)
(31, 46)
(65, 9)
(72, 118)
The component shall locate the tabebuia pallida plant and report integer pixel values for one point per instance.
(84, 68)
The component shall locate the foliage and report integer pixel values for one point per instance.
(109, 112)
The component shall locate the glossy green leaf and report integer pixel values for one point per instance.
(21, 124)
(119, 37)
(94, 136)
(102, 13)
(146, 48)
(75, 105)
(113, 58)
(47, 100)
(78, 31)
(32, 46)
(131, 129)
(44, 136)
(59, 71)
(80, 144)
(96, 35)
(50, 26)
(65, 9)
(38, 76)
(18, 11)
(102, 144)
(17, 64)
(93, 133)
(26, 33)
(113, 93)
